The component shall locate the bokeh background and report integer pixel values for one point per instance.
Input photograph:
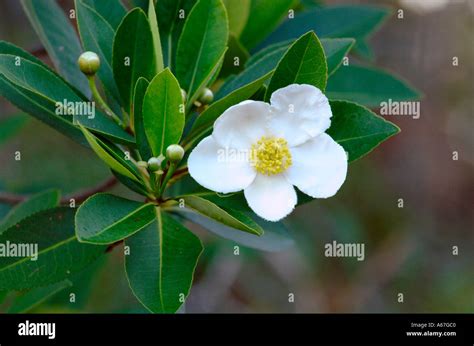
(408, 250)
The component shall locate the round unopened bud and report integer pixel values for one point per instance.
(184, 95)
(174, 153)
(154, 164)
(206, 96)
(89, 63)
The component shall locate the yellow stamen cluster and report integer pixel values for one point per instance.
(270, 155)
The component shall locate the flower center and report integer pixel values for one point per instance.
(270, 155)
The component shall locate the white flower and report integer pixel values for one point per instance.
(265, 149)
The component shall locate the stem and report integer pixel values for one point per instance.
(168, 176)
(102, 103)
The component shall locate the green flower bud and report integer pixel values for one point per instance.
(184, 95)
(89, 63)
(206, 96)
(174, 153)
(154, 164)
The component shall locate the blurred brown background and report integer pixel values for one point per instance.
(407, 250)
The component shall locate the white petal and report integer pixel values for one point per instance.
(301, 112)
(319, 167)
(242, 125)
(271, 197)
(218, 169)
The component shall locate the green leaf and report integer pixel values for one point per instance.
(358, 129)
(60, 255)
(206, 119)
(201, 46)
(106, 219)
(3, 296)
(303, 63)
(226, 216)
(106, 154)
(268, 58)
(235, 53)
(356, 21)
(58, 38)
(10, 49)
(172, 15)
(137, 118)
(38, 91)
(31, 299)
(161, 263)
(238, 13)
(10, 126)
(97, 36)
(36, 203)
(364, 50)
(253, 71)
(264, 16)
(133, 54)
(335, 50)
(163, 115)
(112, 11)
(276, 236)
(131, 184)
(156, 36)
(369, 86)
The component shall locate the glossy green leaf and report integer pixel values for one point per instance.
(36, 203)
(131, 184)
(201, 46)
(59, 254)
(264, 16)
(106, 219)
(358, 129)
(206, 119)
(137, 118)
(3, 296)
(235, 58)
(39, 91)
(161, 263)
(368, 86)
(10, 49)
(303, 63)
(106, 154)
(112, 11)
(172, 15)
(97, 36)
(335, 50)
(276, 236)
(238, 13)
(268, 58)
(36, 296)
(59, 39)
(226, 216)
(156, 36)
(133, 54)
(356, 21)
(10, 126)
(364, 50)
(163, 112)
